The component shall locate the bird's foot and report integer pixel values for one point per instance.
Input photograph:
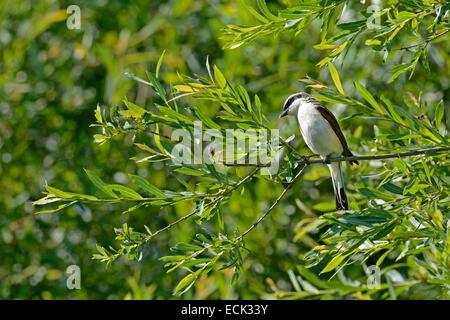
(305, 159)
(326, 160)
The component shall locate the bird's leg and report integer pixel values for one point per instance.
(305, 159)
(326, 159)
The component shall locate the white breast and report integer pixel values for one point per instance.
(319, 136)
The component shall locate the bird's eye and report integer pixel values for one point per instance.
(288, 103)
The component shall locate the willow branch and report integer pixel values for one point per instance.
(426, 41)
(274, 204)
(213, 202)
(382, 156)
(308, 160)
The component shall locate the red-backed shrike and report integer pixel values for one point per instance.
(322, 135)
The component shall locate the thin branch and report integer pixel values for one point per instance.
(308, 160)
(274, 204)
(426, 41)
(382, 156)
(290, 147)
(213, 202)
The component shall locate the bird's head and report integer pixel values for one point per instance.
(294, 101)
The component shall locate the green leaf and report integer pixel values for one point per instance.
(245, 98)
(392, 188)
(158, 66)
(313, 278)
(100, 138)
(46, 200)
(220, 221)
(369, 98)
(220, 79)
(190, 171)
(325, 46)
(398, 70)
(157, 86)
(372, 42)
(265, 11)
(392, 110)
(168, 112)
(59, 208)
(439, 114)
(185, 248)
(186, 283)
(125, 191)
(294, 280)
(146, 186)
(184, 88)
(374, 193)
(146, 148)
(105, 188)
(254, 13)
(401, 165)
(405, 15)
(158, 140)
(391, 287)
(336, 261)
(68, 195)
(59, 193)
(98, 114)
(205, 119)
(383, 257)
(383, 232)
(330, 97)
(427, 170)
(134, 110)
(353, 26)
(258, 108)
(335, 77)
(324, 206)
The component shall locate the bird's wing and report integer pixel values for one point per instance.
(335, 125)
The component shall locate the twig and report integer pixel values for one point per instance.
(308, 160)
(426, 41)
(305, 161)
(290, 147)
(382, 156)
(274, 204)
(213, 202)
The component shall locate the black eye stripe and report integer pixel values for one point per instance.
(291, 100)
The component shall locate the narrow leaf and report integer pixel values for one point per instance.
(186, 283)
(158, 66)
(369, 98)
(219, 77)
(100, 184)
(59, 208)
(146, 186)
(335, 77)
(125, 191)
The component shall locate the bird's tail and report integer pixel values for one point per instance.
(338, 185)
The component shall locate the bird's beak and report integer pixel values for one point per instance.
(284, 113)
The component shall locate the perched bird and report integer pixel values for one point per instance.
(322, 135)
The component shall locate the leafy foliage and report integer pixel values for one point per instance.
(226, 222)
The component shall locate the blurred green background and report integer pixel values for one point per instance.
(52, 78)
